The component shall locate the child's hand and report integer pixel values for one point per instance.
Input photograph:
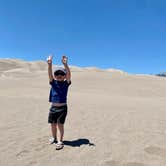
(64, 60)
(49, 59)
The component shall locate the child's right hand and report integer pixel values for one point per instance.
(49, 59)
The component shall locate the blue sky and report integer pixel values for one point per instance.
(124, 34)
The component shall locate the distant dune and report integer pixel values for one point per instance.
(17, 65)
(7, 64)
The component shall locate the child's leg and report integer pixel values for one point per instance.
(54, 130)
(61, 131)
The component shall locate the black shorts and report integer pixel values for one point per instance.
(57, 114)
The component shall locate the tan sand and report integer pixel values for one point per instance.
(114, 119)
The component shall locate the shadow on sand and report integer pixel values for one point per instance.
(78, 142)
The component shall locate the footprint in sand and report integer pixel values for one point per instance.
(40, 147)
(133, 164)
(22, 153)
(153, 150)
(39, 144)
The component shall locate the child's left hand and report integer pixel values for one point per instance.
(64, 60)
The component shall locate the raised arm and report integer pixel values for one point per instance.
(68, 73)
(49, 61)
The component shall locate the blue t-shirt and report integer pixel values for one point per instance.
(58, 91)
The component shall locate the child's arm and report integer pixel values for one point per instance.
(68, 73)
(49, 61)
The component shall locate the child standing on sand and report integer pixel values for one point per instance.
(59, 82)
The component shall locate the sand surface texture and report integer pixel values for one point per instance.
(114, 118)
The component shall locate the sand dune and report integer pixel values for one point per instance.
(114, 118)
(10, 64)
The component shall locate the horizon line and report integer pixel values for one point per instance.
(118, 69)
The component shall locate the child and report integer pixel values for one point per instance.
(58, 97)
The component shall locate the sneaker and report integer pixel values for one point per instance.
(53, 140)
(59, 146)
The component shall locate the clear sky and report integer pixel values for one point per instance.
(126, 34)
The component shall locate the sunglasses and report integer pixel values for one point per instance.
(59, 73)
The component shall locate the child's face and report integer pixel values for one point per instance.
(60, 77)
